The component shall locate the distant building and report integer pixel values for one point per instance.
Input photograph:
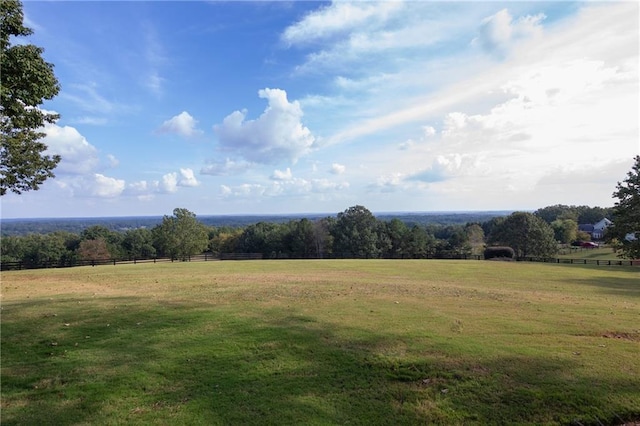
(596, 230)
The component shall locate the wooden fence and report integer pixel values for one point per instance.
(7, 266)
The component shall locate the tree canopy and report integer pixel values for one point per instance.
(626, 218)
(181, 235)
(26, 81)
(526, 234)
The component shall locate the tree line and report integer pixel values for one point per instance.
(354, 233)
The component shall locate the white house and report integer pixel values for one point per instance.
(599, 228)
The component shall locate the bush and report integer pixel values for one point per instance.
(499, 252)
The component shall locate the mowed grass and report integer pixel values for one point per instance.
(367, 342)
(600, 253)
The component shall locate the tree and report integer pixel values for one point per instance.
(565, 230)
(322, 239)
(626, 217)
(94, 250)
(26, 81)
(475, 238)
(262, 237)
(138, 243)
(527, 234)
(181, 235)
(355, 234)
(113, 239)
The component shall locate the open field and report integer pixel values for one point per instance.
(600, 253)
(322, 342)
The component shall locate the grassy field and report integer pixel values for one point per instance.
(321, 342)
(600, 253)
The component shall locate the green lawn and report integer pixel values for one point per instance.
(600, 253)
(322, 342)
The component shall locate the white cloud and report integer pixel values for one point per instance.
(277, 135)
(96, 121)
(182, 124)
(338, 169)
(499, 31)
(78, 155)
(169, 183)
(94, 185)
(187, 178)
(291, 187)
(337, 18)
(112, 161)
(282, 175)
(228, 167)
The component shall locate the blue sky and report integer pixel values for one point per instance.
(296, 107)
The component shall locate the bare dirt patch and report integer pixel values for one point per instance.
(633, 336)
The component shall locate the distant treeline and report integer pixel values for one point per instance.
(354, 233)
(14, 227)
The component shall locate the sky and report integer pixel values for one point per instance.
(312, 107)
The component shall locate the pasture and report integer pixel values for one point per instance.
(368, 342)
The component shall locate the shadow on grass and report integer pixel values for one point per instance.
(629, 285)
(126, 361)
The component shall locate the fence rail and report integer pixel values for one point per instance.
(8, 266)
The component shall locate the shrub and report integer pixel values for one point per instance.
(499, 252)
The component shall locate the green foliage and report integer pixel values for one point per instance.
(475, 238)
(181, 235)
(138, 244)
(355, 234)
(565, 230)
(527, 234)
(263, 237)
(113, 239)
(579, 214)
(499, 252)
(26, 81)
(626, 218)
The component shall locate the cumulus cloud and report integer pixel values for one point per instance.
(169, 183)
(187, 178)
(277, 135)
(388, 182)
(78, 155)
(282, 175)
(94, 185)
(441, 169)
(182, 124)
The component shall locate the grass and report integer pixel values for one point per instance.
(322, 342)
(600, 253)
